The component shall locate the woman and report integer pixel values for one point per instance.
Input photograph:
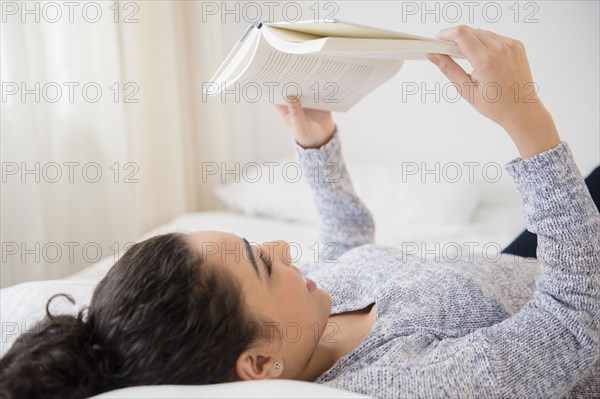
(207, 307)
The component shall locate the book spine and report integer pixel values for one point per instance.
(248, 29)
(256, 25)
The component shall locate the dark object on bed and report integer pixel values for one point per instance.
(525, 244)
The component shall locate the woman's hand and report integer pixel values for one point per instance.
(311, 128)
(500, 86)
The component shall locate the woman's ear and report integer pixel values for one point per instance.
(252, 365)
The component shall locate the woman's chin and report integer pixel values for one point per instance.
(326, 298)
(320, 292)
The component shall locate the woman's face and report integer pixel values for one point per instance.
(282, 298)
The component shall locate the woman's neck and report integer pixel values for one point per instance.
(324, 356)
(348, 331)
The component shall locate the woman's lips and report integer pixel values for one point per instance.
(311, 285)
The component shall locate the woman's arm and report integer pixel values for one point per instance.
(541, 351)
(555, 338)
(344, 220)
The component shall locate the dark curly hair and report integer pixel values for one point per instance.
(159, 316)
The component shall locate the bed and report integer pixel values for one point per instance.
(425, 217)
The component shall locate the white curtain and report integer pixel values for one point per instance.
(146, 132)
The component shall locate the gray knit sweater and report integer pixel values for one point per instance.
(475, 327)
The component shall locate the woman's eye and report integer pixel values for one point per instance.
(267, 261)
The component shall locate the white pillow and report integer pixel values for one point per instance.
(23, 305)
(393, 195)
(241, 389)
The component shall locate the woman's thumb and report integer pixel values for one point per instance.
(449, 67)
(295, 109)
(453, 71)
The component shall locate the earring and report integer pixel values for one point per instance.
(278, 367)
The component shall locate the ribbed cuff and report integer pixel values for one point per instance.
(323, 153)
(551, 165)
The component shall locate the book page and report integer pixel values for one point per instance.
(321, 82)
(239, 56)
(361, 48)
(327, 28)
(292, 35)
(386, 48)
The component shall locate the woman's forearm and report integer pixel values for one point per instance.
(344, 220)
(535, 134)
(559, 209)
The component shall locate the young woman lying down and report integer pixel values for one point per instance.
(208, 307)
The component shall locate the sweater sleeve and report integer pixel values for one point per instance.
(555, 338)
(344, 220)
(542, 350)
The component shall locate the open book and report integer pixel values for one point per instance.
(328, 64)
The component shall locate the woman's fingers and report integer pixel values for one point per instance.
(295, 109)
(296, 112)
(454, 72)
(465, 38)
(283, 112)
(281, 109)
(311, 127)
(505, 91)
(292, 112)
(487, 38)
